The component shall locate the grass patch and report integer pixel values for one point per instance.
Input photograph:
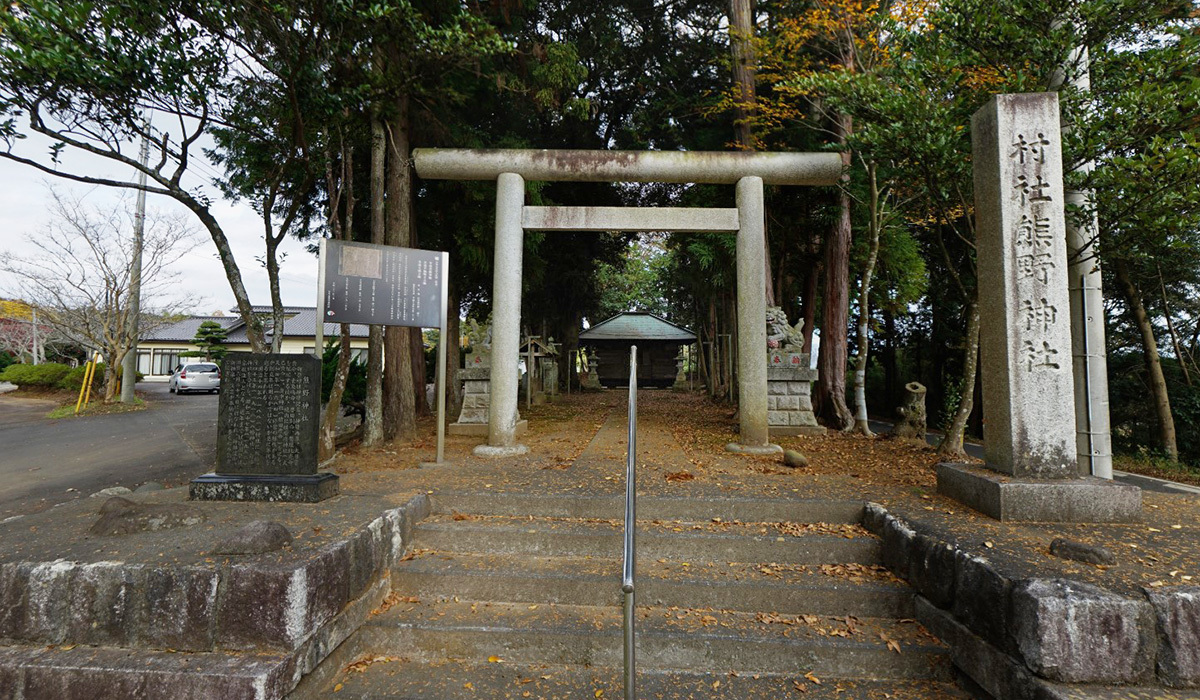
(97, 409)
(1158, 467)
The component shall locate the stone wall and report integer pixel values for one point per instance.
(257, 628)
(1023, 638)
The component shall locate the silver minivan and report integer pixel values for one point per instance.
(195, 376)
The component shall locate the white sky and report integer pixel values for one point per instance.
(24, 209)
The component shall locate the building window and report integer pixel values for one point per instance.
(165, 361)
(143, 362)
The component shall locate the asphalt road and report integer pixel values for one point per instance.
(44, 462)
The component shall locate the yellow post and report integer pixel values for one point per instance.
(85, 391)
(87, 368)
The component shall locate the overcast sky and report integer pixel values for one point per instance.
(24, 209)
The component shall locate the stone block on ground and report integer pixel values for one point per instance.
(1081, 551)
(120, 516)
(1177, 612)
(257, 537)
(1075, 632)
(794, 459)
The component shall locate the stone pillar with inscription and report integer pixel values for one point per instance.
(1025, 331)
(267, 432)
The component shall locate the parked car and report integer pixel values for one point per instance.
(195, 376)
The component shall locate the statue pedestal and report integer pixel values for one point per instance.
(477, 399)
(789, 395)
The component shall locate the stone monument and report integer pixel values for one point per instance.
(267, 432)
(789, 379)
(681, 377)
(477, 382)
(591, 380)
(1025, 336)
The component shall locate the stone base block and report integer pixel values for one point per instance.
(768, 449)
(1007, 498)
(481, 429)
(793, 430)
(500, 451)
(292, 488)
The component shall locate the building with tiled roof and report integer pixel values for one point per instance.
(159, 348)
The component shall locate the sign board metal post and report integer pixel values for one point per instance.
(441, 360)
(319, 336)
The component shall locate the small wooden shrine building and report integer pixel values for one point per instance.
(658, 342)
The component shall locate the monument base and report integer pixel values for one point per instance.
(767, 449)
(794, 430)
(481, 429)
(289, 488)
(1013, 499)
(500, 451)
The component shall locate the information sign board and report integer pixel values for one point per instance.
(380, 284)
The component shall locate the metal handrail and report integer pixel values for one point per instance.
(630, 527)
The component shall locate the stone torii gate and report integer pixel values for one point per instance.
(511, 168)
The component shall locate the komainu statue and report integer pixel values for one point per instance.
(780, 334)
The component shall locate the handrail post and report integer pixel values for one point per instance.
(630, 528)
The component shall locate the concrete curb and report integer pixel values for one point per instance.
(1020, 638)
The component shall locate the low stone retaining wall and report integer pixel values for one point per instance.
(135, 618)
(1022, 638)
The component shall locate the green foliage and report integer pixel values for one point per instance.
(356, 382)
(6, 360)
(210, 336)
(635, 282)
(47, 375)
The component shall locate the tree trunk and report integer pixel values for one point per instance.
(277, 316)
(808, 307)
(912, 424)
(453, 352)
(333, 408)
(373, 420)
(254, 332)
(1187, 376)
(1158, 383)
(340, 189)
(952, 443)
(864, 308)
(831, 356)
(741, 45)
(399, 400)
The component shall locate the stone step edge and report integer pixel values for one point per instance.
(580, 505)
(69, 672)
(569, 619)
(648, 680)
(606, 529)
(519, 566)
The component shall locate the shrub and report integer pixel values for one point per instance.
(46, 375)
(6, 360)
(74, 379)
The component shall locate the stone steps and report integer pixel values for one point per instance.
(668, 639)
(790, 590)
(676, 541)
(737, 598)
(398, 679)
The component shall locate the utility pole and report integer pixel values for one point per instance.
(1094, 442)
(35, 337)
(132, 327)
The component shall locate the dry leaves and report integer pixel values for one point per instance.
(680, 476)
